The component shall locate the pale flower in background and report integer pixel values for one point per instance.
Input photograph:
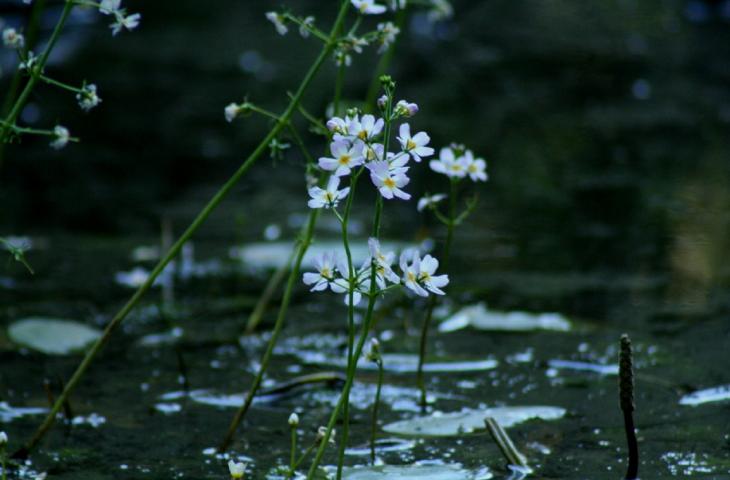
(130, 22)
(429, 200)
(293, 419)
(368, 7)
(88, 97)
(279, 22)
(236, 469)
(13, 39)
(3, 438)
(387, 32)
(448, 164)
(303, 28)
(60, 137)
(109, 7)
(475, 168)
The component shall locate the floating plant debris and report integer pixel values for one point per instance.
(52, 336)
(479, 317)
(163, 338)
(383, 445)
(708, 395)
(450, 424)
(446, 471)
(8, 413)
(583, 366)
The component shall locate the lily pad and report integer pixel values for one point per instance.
(584, 367)
(708, 395)
(479, 317)
(52, 336)
(451, 424)
(447, 471)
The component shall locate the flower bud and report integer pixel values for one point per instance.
(293, 419)
(373, 353)
(236, 469)
(406, 109)
(382, 102)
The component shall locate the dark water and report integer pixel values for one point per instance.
(605, 126)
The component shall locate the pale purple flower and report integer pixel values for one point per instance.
(415, 145)
(389, 181)
(326, 266)
(329, 197)
(387, 33)
(418, 274)
(13, 39)
(475, 168)
(448, 164)
(368, 7)
(130, 22)
(61, 137)
(279, 22)
(429, 201)
(366, 128)
(405, 108)
(344, 158)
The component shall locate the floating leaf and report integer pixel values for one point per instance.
(400, 363)
(478, 317)
(52, 336)
(447, 471)
(441, 424)
(708, 395)
(584, 366)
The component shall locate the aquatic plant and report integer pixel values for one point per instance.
(3, 443)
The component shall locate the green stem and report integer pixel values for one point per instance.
(304, 455)
(58, 84)
(374, 426)
(37, 70)
(293, 277)
(350, 315)
(199, 220)
(255, 318)
(420, 381)
(293, 459)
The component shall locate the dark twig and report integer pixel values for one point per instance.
(626, 399)
(508, 449)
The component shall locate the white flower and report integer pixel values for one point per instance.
(307, 22)
(448, 164)
(328, 198)
(389, 181)
(108, 7)
(130, 22)
(406, 109)
(387, 32)
(237, 470)
(28, 64)
(279, 22)
(231, 111)
(338, 126)
(326, 265)
(429, 200)
(368, 7)
(383, 262)
(419, 273)
(87, 97)
(293, 419)
(3, 438)
(440, 10)
(345, 158)
(13, 39)
(322, 432)
(366, 128)
(415, 145)
(396, 4)
(342, 58)
(475, 168)
(60, 137)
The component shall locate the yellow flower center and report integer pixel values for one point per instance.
(388, 182)
(473, 168)
(344, 159)
(362, 135)
(410, 144)
(326, 273)
(411, 277)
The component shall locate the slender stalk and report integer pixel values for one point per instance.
(626, 397)
(293, 459)
(420, 381)
(255, 318)
(37, 70)
(384, 63)
(350, 314)
(61, 85)
(199, 220)
(293, 277)
(374, 425)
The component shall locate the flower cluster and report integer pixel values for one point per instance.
(417, 274)
(13, 39)
(121, 19)
(457, 162)
(357, 142)
(88, 97)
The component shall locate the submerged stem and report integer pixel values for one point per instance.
(374, 425)
(177, 246)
